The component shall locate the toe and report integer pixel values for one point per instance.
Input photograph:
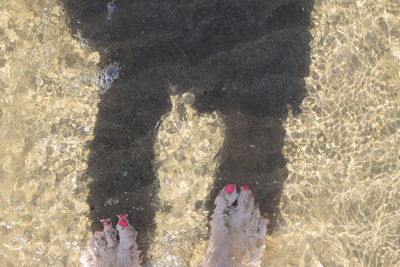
(229, 193)
(246, 199)
(241, 214)
(226, 197)
(128, 253)
(109, 232)
(262, 226)
(255, 217)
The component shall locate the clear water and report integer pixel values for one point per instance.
(76, 144)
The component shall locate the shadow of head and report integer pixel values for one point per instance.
(245, 59)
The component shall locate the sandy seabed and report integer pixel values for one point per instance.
(340, 201)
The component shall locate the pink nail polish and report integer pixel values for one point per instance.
(230, 188)
(123, 222)
(246, 187)
(99, 231)
(251, 196)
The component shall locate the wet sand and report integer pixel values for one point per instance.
(340, 200)
(47, 120)
(307, 116)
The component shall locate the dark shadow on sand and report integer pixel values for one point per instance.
(246, 59)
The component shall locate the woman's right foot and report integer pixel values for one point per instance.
(238, 230)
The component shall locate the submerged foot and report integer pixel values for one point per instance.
(238, 230)
(104, 248)
(237, 235)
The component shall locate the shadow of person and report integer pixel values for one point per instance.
(245, 59)
(253, 85)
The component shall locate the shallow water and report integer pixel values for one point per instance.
(340, 202)
(81, 140)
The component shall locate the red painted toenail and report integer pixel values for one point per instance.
(266, 214)
(122, 215)
(230, 188)
(123, 222)
(99, 231)
(106, 224)
(246, 187)
(251, 195)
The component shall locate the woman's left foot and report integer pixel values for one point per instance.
(104, 249)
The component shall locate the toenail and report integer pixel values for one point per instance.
(123, 222)
(106, 224)
(230, 188)
(246, 187)
(266, 214)
(99, 231)
(251, 195)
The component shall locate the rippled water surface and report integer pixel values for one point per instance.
(153, 116)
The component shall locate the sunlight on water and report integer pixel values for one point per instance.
(186, 146)
(340, 202)
(47, 118)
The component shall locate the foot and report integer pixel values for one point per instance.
(238, 230)
(104, 249)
